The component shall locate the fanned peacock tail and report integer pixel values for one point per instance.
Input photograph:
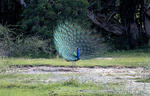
(74, 42)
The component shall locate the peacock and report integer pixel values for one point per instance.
(74, 42)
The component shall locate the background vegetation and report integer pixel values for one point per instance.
(26, 30)
(124, 24)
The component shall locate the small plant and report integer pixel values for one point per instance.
(71, 82)
(6, 40)
(145, 73)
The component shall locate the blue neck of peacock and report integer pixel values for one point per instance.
(78, 55)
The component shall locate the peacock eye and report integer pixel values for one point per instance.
(76, 41)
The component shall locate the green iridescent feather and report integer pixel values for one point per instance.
(69, 36)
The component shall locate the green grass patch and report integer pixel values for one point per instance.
(67, 88)
(122, 59)
(131, 58)
(14, 84)
(144, 80)
(25, 78)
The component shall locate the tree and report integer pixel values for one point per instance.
(125, 23)
(147, 21)
(41, 16)
(122, 18)
(10, 11)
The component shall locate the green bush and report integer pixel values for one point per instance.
(40, 17)
(6, 41)
(32, 47)
(20, 46)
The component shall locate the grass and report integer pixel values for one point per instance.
(15, 84)
(54, 90)
(144, 80)
(17, 89)
(10, 86)
(122, 58)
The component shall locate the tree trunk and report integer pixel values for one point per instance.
(10, 11)
(147, 23)
(129, 28)
(102, 21)
(128, 10)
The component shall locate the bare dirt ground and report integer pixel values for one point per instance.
(123, 76)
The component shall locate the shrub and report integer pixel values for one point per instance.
(40, 17)
(6, 41)
(33, 47)
(20, 46)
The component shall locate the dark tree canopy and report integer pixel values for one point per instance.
(124, 23)
(125, 20)
(10, 11)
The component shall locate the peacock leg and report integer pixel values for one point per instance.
(73, 70)
(73, 66)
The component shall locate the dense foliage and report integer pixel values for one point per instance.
(40, 17)
(124, 24)
(10, 11)
(12, 45)
(122, 21)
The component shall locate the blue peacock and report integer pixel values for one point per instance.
(74, 42)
